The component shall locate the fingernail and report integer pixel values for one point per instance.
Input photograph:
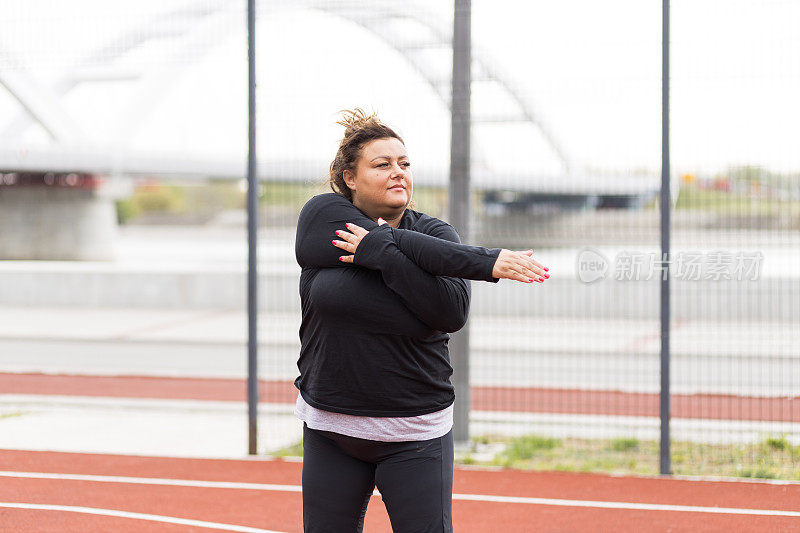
(547, 269)
(541, 279)
(347, 225)
(336, 232)
(530, 280)
(333, 242)
(547, 275)
(341, 258)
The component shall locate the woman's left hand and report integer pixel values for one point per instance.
(351, 240)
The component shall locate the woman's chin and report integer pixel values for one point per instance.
(398, 202)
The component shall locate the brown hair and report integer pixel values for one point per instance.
(359, 129)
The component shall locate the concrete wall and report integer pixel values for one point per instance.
(55, 223)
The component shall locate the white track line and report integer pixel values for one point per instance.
(624, 505)
(465, 497)
(156, 481)
(137, 516)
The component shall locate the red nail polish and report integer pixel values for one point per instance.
(547, 275)
(547, 269)
(530, 280)
(333, 242)
(341, 258)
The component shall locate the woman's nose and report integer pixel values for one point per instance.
(397, 170)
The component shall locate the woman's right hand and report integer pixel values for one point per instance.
(519, 266)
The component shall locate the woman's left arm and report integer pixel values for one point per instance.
(441, 302)
(438, 254)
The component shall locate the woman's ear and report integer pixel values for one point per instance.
(349, 179)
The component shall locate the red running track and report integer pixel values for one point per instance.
(573, 501)
(514, 399)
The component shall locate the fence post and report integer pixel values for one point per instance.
(459, 196)
(666, 204)
(252, 234)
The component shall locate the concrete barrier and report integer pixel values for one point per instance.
(56, 223)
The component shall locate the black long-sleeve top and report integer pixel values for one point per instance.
(374, 333)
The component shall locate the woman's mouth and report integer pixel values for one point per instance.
(397, 188)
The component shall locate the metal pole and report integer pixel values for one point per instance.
(459, 197)
(252, 234)
(666, 204)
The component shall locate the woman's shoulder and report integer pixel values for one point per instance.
(325, 204)
(430, 225)
(326, 198)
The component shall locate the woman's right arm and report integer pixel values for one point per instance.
(320, 217)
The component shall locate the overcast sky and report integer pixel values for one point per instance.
(590, 69)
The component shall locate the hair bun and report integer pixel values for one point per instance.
(356, 119)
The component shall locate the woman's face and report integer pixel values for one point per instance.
(382, 181)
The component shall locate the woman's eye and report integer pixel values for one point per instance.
(384, 165)
(406, 164)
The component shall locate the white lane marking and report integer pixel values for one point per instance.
(137, 516)
(623, 505)
(156, 481)
(466, 497)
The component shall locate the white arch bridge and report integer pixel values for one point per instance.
(44, 144)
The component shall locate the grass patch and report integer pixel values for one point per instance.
(289, 193)
(295, 450)
(526, 447)
(468, 460)
(772, 458)
(624, 445)
(12, 414)
(733, 203)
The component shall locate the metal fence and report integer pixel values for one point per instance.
(149, 99)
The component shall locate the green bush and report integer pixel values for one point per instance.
(161, 199)
(777, 443)
(151, 199)
(127, 210)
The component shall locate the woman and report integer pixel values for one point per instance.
(381, 287)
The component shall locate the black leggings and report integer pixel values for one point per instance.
(415, 479)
